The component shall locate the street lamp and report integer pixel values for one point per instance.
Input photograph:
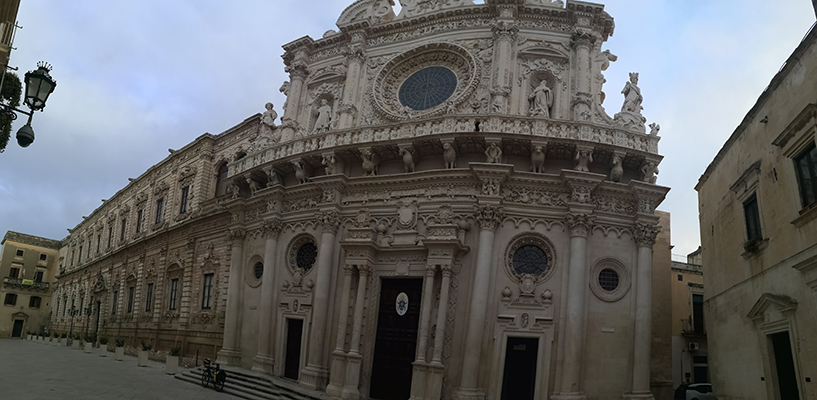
(39, 85)
(73, 313)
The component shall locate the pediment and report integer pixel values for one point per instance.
(772, 307)
(19, 314)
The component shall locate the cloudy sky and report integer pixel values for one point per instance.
(138, 77)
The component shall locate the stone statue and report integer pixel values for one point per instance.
(254, 186)
(541, 100)
(649, 170)
(370, 162)
(269, 132)
(537, 160)
(329, 162)
(408, 160)
(493, 154)
(233, 190)
(654, 128)
(324, 121)
(300, 174)
(632, 95)
(617, 171)
(449, 156)
(583, 159)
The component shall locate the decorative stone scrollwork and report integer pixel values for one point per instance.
(329, 221)
(645, 233)
(271, 229)
(362, 219)
(489, 216)
(579, 223)
(444, 215)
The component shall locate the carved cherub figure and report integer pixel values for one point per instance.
(583, 159)
(449, 156)
(618, 170)
(493, 154)
(537, 159)
(654, 128)
(408, 160)
(649, 170)
(370, 162)
(329, 163)
(300, 174)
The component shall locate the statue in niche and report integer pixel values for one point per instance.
(329, 162)
(269, 131)
(493, 154)
(632, 95)
(654, 128)
(408, 160)
(649, 170)
(583, 159)
(324, 121)
(617, 171)
(541, 100)
(449, 156)
(537, 160)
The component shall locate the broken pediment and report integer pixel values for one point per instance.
(367, 12)
(772, 307)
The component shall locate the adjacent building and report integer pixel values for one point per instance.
(758, 216)
(689, 349)
(446, 211)
(28, 265)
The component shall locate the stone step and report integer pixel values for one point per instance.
(249, 385)
(231, 388)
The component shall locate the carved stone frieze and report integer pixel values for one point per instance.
(615, 204)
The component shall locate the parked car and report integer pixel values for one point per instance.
(694, 391)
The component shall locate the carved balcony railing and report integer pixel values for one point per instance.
(476, 124)
(25, 283)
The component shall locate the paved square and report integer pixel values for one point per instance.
(30, 371)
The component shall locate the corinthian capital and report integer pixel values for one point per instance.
(579, 223)
(271, 229)
(489, 216)
(645, 233)
(329, 220)
(505, 30)
(583, 38)
(236, 236)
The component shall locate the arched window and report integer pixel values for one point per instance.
(221, 180)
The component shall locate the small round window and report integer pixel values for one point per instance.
(258, 270)
(530, 259)
(608, 279)
(428, 88)
(307, 254)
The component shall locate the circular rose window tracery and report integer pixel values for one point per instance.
(427, 88)
(302, 254)
(532, 255)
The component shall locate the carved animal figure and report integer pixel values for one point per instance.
(408, 160)
(537, 159)
(329, 162)
(449, 156)
(300, 174)
(370, 162)
(232, 190)
(254, 186)
(583, 158)
(617, 171)
(649, 170)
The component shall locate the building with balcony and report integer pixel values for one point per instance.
(758, 217)
(28, 265)
(689, 349)
(446, 211)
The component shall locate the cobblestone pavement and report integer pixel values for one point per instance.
(33, 371)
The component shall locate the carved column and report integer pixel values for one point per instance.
(583, 41)
(338, 371)
(418, 377)
(489, 217)
(264, 360)
(442, 314)
(354, 358)
(315, 374)
(505, 32)
(230, 353)
(354, 60)
(297, 75)
(645, 234)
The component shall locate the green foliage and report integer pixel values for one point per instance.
(64, 335)
(175, 351)
(103, 340)
(120, 342)
(145, 346)
(9, 95)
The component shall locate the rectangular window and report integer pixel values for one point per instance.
(38, 276)
(680, 277)
(19, 253)
(115, 301)
(185, 193)
(79, 260)
(698, 313)
(89, 248)
(130, 299)
(174, 290)
(34, 302)
(110, 236)
(149, 297)
(43, 257)
(14, 272)
(207, 291)
(806, 164)
(11, 299)
(138, 221)
(159, 206)
(98, 243)
(122, 233)
(752, 214)
(73, 257)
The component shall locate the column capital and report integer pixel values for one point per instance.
(583, 38)
(488, 216)
(348, 269)
(329, 221)
(579, 224)
(447, 270)
(431, 269)
(297, 70)
(645, 233)
(505, 30)
(364, 270)
(236, 236)
(272, 228)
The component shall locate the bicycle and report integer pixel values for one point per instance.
(213, 374)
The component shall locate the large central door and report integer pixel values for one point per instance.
(396, 342)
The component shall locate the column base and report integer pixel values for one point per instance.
(314, 377)
(434, 380)
(569, 396)
(350, 386)
(263, 364)
(337, 374)
(229, 357)
(418, 380)
(638, 396)
(468, 394)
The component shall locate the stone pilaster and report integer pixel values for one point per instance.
(354, 358)
(505, 30)
(264, 360)
(583, 41)
(298, 72)
(338, 370)
(355, 59)
(230, 353)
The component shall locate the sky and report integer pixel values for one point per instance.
(137, 78)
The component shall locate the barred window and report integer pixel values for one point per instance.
(11, 299)
(207, 292)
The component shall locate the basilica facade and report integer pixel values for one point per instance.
(445, 211)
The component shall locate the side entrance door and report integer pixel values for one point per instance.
(519, 382)
(292, 361)
(17, 331)
(396, 343)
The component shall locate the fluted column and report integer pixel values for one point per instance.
(338, 371)
(425, 317)
(298, 72)
(488, 217)
(505, 31)
(350, 390)
(582, 43)
(264, 360)
(315, 375)
(354, 60)
(442, 315)
(571, 387)
(230, 353)
(645, 234)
